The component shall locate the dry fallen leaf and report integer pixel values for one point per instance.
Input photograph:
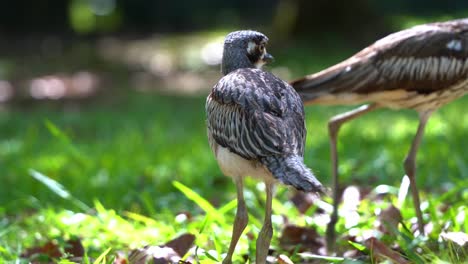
(379, 249)
(181, 244)
(120, 258)
(307, 238)
(51, 249)
(389, 219)
(171, 252)
(303, 201)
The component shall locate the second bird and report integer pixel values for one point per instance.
(421, 68)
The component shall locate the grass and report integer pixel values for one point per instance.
(90, 148)
(122, 158)
(136, 169)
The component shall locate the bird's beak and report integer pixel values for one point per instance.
(267, 58)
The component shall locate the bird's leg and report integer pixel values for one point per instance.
(242, 218)
(410, 167)
(333, 127)
(264, 237)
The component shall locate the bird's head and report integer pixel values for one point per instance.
(244, 49)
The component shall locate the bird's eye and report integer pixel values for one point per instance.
(262, 47)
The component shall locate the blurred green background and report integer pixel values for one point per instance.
(107, 98)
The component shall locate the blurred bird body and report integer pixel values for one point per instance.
(256, 128)
(421, 68)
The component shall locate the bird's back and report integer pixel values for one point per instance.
(419, 67)
(269, 113)
(260, 118)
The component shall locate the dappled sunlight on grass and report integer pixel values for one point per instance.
(103, 228)
(79, 151)
(118, 158)
(128, 156)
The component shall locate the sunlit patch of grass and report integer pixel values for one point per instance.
(97, 231)
(121, 158)
(128, 163)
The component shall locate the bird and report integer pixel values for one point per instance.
(420, 68)
(256, 128)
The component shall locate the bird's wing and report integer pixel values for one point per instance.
(255, 114)
(421, 59)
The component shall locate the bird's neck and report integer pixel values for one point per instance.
(233, 60)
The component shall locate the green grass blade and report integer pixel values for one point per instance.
(228, 207)
(204, 224)
(56, 132)
(357, 246)
(102, 258)
(66, 261)
(86, 258)
(211, 256)
(51, 184)
(141, 218)
(200, 201)
(57, 188)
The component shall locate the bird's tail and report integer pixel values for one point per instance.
(314, 87)
(345, 83)
(291, 170)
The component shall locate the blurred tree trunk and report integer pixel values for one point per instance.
(355, 21)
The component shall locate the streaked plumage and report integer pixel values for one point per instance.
(421, 68)
(256, 128)
(259, 117)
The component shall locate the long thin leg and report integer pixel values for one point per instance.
(410, 167)
(333, 127)
(264, 237)
(242, 218)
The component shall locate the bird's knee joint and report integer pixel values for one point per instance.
(333, 127)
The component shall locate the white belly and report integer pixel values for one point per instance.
(233, 165)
